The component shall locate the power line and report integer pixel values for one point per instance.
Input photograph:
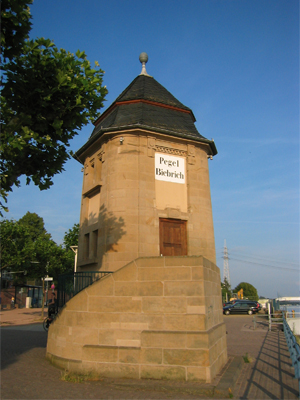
(259, 258)
(265, 265)
(262, 258)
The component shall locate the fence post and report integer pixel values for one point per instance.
(270, 316)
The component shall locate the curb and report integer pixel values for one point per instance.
(229, 378)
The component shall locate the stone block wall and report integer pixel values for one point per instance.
(122, 202)
(155, 318)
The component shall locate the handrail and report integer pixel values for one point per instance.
(294, 349)
(275, 319)
(71, 284)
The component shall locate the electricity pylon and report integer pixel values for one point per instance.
(226, 265)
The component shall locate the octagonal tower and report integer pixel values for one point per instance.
(146, 216)
(146, 189)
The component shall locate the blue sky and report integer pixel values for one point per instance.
(236, 65)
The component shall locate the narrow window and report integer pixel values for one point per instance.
(94, 204)
(86, 246)
(94, 243)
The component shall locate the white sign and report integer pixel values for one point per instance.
(169, 168)
(48, 279)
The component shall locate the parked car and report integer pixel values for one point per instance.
(228, 303)
(251, 301)
(264, 304)
(241, 307)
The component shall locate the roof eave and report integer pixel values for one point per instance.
(102, 131)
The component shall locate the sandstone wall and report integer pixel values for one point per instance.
(157, 317)
(122, 201)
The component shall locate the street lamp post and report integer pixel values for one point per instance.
(75, 250)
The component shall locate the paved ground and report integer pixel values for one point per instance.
(26, 374)
(270, 374)
(21, 316)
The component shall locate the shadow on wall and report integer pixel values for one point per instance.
(105, 233)
(112, 228)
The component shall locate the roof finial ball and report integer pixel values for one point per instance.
(143, 59)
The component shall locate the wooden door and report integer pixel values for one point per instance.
(173, 237)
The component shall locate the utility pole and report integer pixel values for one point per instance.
(226, 265)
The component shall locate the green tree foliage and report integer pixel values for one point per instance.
(25, 245)
(16, 246)
(19, 241)
(249, 291)
(71, 237)
(49, 258)
(226, 289)
(15, 27)
(34, 224)
(47, 96)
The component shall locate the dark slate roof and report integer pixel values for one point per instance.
(146, 104)
(147, 88)
(148, 115)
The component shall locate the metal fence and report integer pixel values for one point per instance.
(71, 284)
(294, 349)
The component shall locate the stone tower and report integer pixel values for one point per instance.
(146, 188)
(146, 216)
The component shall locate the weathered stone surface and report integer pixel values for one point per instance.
(100, 353)
(127, 273)
(138, 288)
(110, 370)
(106, 337)
(106, 288)
(80, 335)
(78, 303)
(114, 304)
(130, 355)
(165, 274)
(164, 305)
(197, 340)
(195, 322)
(197, 273)
(183, 261)
(163, 373)
(183, 289)
(197, 374)
(164, 339)
(186, 357)
(165, 323)
(151, 356)
(150, 262)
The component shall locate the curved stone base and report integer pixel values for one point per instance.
(155, 318)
